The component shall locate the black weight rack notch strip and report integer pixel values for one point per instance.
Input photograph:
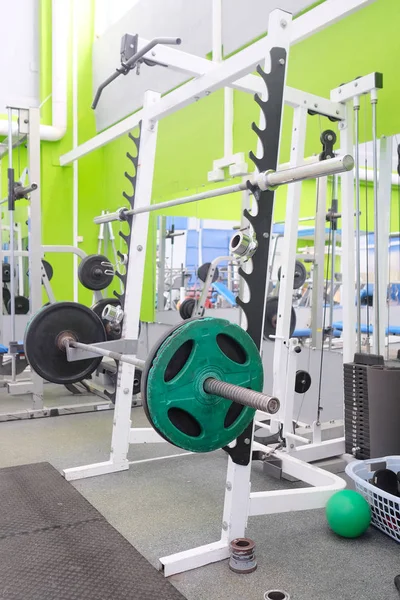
(131, 178)
(261, 222)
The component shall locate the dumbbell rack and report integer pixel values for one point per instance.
(239, 504)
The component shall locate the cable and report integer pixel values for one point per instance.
(366, 221)
(331, 225)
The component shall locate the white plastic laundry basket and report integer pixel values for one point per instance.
(385, 508)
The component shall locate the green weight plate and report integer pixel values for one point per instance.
(172, 388)
(42, 334)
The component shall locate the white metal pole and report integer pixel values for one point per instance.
(133, 298)
(237, 493)
(35, 236)
(334, 207)
(162, 224)
(383, 225)
(356, 106)
(217, 30)
(377, 348)
(20, 259)
(228, 121)
(134, 283)
(288, 259)
(75, 141)
(12, 257)
(348, 262)
(318, 285)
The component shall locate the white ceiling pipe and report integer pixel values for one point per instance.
(60, 32)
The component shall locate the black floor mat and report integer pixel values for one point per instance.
(55, 546)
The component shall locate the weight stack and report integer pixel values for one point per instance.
(372, 407)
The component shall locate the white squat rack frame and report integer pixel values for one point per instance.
(240, 502)
(32, 384)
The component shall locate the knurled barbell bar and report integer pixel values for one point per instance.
(266, 180)
(201, 382)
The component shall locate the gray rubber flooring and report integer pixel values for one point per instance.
(171, 505)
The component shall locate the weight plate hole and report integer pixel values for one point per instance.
(231, 348)
(235, 241)
(185, 422)
(234, 412)
(276, 595)
(178, 361)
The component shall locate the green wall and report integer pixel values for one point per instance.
(191, 139)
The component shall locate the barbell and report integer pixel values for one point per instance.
(201, 382)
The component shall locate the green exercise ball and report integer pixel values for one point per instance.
(348, 514)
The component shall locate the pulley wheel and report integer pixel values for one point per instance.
(48, 268)
(302, 382)
(6, 272)
(202, 272)
(113, 333)
(95, 272)
(43, 350)
(271, 317)
(186, 308)
(328, 136)
(21, 305)
(300, 275)
(6, 296)
(172, 388)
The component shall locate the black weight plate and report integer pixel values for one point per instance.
(203, 270)
(302, 382)
(186, 308)
(6, 272)
(271, 311)
(21, 305)
(300, 275)
(149, 363)
(112, 334)
(94, 272)
(42, 351)
(48, 268)
(6, 296)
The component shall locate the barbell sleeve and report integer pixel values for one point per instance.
(323, 168)
(265, 180)
(256, 400)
